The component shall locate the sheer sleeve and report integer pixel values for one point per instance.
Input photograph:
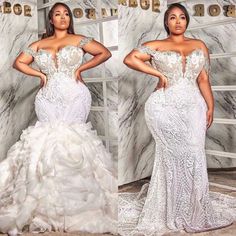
(145, 49)
(84, 41)
(207, 65)
(30, 51)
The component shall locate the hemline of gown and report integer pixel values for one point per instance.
(131, 205)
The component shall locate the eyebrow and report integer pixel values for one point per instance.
(175, 14)
(59, 11)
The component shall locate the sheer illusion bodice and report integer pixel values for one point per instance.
(66, 61)
(177, 196)
(177, 67)
(63, 99)
(59, 176)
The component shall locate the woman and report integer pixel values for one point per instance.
(178, 114)
(59, 176)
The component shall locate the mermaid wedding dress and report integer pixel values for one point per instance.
(59, 176)
(177, 197)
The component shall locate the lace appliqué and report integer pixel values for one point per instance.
(145, 49)
(30, 51)
(207, 65)
(63, 98)
(84, 41)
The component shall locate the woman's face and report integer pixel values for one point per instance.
(60, 18)
(176, 21)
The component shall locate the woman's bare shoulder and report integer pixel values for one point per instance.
(70, 39)
(154, 44)
(35, 45)
(79, 36)
(198, 43)
(39, 43)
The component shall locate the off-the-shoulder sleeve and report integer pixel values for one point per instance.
(84, 41)
(29, 51)
(207, 65)
(145, 49)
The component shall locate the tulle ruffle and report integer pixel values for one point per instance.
(58, 177)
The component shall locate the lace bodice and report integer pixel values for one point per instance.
(170, 63)
(67, 60)
(63, 98)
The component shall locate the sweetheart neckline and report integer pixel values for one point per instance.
(178, 53)
(67, 46)
(55, 58)
(184, 65)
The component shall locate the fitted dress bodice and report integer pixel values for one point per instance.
(67, 60)
(63, 98)
(182, 89)
(170, 63)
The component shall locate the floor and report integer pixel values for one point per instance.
(64, 234)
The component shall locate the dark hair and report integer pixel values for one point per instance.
(50, 27)
(170, 7)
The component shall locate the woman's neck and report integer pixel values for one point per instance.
(177, 38)
(59, 34)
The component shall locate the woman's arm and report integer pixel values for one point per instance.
(23, 61)
(100, 54)
(136, 60)
(205, 87)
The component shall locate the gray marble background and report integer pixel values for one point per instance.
(136, 146)
(17, 91)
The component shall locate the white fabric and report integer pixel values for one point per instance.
(59, 176)
(178, 196)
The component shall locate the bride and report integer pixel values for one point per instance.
(59, 176)
(178, 113)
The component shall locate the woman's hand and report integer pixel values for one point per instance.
(78, 76)
(162, 83)
(209, 117)
(43, 80)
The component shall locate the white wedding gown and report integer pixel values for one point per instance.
(59, 176)
(177, 197)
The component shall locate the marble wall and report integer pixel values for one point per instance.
(17, 91)
(136, 146)
(219, 39)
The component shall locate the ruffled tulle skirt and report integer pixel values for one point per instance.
(58, 177)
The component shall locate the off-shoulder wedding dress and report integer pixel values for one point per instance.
(59, 176)
(177, 197)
